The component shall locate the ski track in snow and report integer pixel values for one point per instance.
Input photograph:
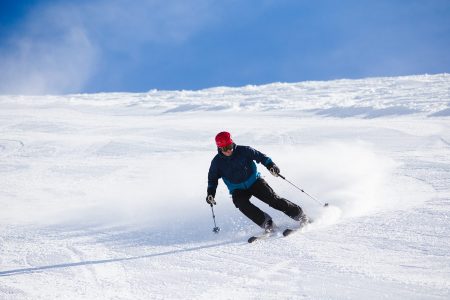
(102, 195)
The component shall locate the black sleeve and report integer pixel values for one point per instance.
(259, 157)
(213, 178)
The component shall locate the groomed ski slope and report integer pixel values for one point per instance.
(102, 196)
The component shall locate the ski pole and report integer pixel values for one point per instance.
(323, 204)
(216, 229)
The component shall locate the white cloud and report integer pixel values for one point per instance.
(58, 47)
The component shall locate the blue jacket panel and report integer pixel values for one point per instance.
(238, 171)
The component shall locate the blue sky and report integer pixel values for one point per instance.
(133, 46)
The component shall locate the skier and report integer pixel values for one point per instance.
(235, 164)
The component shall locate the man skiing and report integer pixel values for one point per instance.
(235, 164)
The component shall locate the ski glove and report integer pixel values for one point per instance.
(210, 196)
(273, 169)
(210, 200)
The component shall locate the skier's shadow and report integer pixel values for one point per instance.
(106, 261)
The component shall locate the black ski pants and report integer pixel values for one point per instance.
(261, 190)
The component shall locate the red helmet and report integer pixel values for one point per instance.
(223, 139)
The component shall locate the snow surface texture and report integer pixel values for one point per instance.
(102, 196)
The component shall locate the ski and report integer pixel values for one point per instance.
(286, 232)
(263, 236)
(267, 235)
(289, 231)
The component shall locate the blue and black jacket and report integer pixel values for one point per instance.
(238, 171)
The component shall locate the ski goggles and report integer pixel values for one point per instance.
(226, 148)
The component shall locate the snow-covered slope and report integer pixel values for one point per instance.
(102, 195)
